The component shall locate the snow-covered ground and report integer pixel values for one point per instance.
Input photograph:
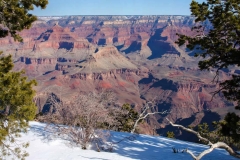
(44, 146)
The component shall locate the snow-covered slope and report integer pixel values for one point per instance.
(45, 146)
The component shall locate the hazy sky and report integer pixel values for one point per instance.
(115, 7)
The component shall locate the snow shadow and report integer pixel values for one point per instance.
(46, 133)
(95, 158)
(160, 148)
(142, 147)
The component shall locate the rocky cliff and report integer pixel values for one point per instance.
(135, 56)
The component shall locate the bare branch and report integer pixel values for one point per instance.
(144, 114)
(81, 118)
(212, 146)
(191, 131)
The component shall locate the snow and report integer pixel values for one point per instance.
(47, 18)
(45, 146)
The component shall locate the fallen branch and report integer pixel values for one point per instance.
(212, 146)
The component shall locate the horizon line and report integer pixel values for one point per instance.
(114, 15)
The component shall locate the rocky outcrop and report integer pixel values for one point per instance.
(105, 59)
(111, 74)
(39, 61)
(182, 98)
(60, 38)
(137, 43)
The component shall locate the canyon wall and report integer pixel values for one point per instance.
(134, 56)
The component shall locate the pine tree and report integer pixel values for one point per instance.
(14, 16)
(216, 38)
(16, 107)
(126, 118)
(226, 130)
(16, 93)
(230, 127)
(170, 134)
(219, 43)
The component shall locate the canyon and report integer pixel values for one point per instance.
(134, 56)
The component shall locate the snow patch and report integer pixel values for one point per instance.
(44, 145)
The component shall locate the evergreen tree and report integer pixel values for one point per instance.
(14, 16)
(216, 38)
(226, 130)
(126, 118)
(16, 93)
(16, 107)
(219, 44)
(230, 127)
(170, 134)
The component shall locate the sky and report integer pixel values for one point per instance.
(115, 7)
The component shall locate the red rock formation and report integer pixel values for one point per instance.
(80, 54)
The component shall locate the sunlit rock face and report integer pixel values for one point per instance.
(134, 56)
